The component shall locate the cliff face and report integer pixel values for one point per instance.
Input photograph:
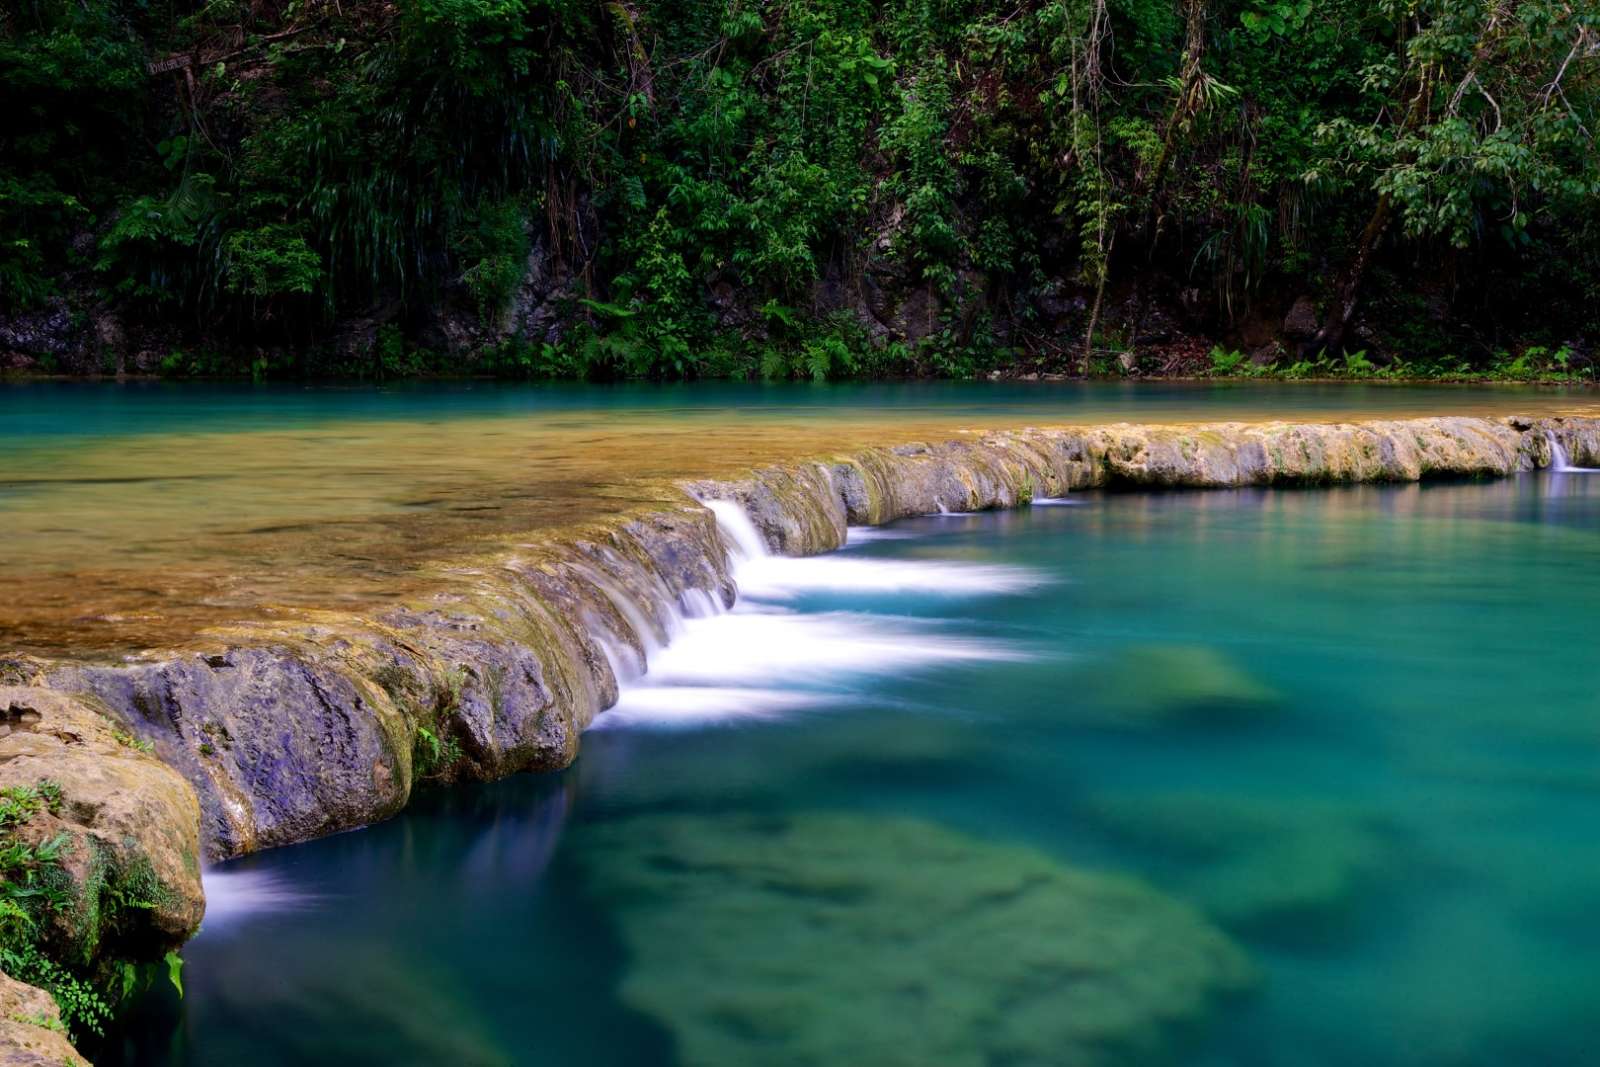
(274, 734)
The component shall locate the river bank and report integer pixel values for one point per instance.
(323, 720)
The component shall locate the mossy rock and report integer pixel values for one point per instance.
(821, 939)
(130, 869)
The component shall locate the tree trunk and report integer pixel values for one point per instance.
(1330, 339)
(1184, 107)
(1099, 301)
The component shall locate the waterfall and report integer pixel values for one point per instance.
(744, 540)
(1560, 461)
(769, 656)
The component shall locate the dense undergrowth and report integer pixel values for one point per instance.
(810, 188)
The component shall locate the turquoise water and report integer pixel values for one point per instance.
(30, 409)
(1347, 743)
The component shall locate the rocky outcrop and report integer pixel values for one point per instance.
(131, 822)
(114, 834)
(294, 731)
(805, 508)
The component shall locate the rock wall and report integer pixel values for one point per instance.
(289, 731)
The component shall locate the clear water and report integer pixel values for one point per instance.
(1357, 729)
(133, 515)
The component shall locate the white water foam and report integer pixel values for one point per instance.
(233, 894)
(780, 578)
(762, 660)
(1056, 502)
(862, 535)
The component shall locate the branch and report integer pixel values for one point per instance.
(1555, 83)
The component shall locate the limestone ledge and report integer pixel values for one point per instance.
(295, 729)
(290, 730)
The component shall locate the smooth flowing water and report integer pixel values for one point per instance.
(133, 515)
(1345, 744)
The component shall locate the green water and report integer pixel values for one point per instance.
(1347, 742)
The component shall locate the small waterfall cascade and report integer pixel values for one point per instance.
(1560, 461)
(778, 652)
(744, 541)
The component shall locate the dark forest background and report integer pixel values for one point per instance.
(812, 188)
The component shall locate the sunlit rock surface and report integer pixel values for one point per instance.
(828, 938)
(130, 863)
(30, 1029)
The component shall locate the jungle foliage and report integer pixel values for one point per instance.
(811, 188)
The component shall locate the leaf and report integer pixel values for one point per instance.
(175, 971)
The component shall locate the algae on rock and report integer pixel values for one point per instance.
(829, 938)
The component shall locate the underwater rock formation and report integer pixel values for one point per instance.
(1270, 867)
(834, 938)
(1160, 685)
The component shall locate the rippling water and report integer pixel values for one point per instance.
(1345, 744)
(133, 515)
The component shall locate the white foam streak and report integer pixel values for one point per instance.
(1056, 502)
(233, 895)
(781, 578)
(683, 706)
(860, 535)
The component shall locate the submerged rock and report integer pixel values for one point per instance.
(374, 1004)
(1160, 685)
(823, 939)
(1293, 868)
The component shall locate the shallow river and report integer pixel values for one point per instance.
(1271, 778)
(133, 515)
